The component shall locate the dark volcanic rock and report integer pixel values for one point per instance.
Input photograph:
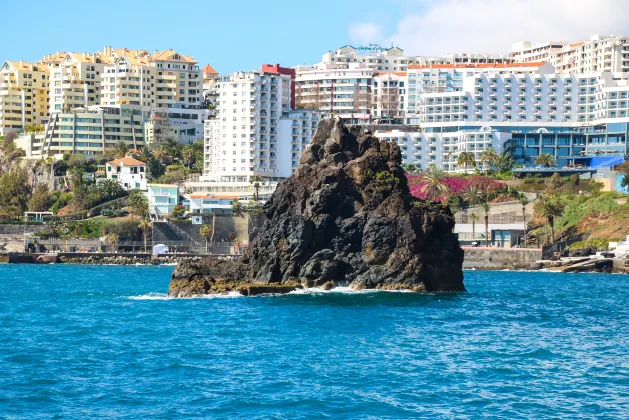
(345, 216)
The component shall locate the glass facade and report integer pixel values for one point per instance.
(584, 142)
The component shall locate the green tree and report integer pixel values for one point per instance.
(256, 181)
(411, 169)
(145, 154)
(121, 149)
(15, 189)
(486, 208)
(546, 160)
(473, 195)
(112, 239)
(207, 232)
(188, 155)
(555, 185)
(138, 203)
(550, 209)
(466, 159)
(40, 199)
(474, 218)
(236, 207)
(488, 157)
(504, 162)
(145, 225)
(110, 188)
(155, 168)
(170, 150)
(433, 187)
(524, 201)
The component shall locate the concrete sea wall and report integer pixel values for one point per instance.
(500, 259)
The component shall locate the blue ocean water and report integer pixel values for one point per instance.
(85, 342)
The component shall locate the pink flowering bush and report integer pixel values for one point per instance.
(457, 185)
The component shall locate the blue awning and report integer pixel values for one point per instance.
(604, 162)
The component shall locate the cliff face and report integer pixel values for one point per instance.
(345, 217)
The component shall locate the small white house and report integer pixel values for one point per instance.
(129, 172)
(210, 203)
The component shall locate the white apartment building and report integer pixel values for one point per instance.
(373, 57)
(23, 95)
(88, 132)
(129, 80)
(526, 52)
(600, 53)
(567, 115)
(345, 92)
(130, 173)
(76, 82)
(448, 78)
(394, 59)
(179, 80)
(389, 92)
(256, 132)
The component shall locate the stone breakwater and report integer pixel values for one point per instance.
(127, 260)
(345, 217)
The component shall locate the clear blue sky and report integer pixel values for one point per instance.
(230, 35)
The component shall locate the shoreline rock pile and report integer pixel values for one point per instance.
(345, 217)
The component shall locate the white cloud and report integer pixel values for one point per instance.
(437, 27)
(365, 33)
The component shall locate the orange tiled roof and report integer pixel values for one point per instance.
(578, 44)
(209, 69)
(167, 54)
(397, 73)
(477, 66)
(127, 161)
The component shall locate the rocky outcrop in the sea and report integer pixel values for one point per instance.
(345, 217)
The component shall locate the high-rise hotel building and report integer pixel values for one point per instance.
(257, 131)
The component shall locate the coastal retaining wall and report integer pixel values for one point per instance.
(500, 259)
(227, 228)
(21, 229)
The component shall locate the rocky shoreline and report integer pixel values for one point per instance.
(127, 260)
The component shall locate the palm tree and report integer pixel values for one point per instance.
(523, 199)
(474, 218)
(111, 188)
(145, 225)
(488, 157)
(546, 160)
(466, 159)
(188, 154)
(206, 231)
(504, 162)
(170, 150)
(145, 154)
(473, 195)
(256, 181)
(433, 187)
(411, 169)
(138, 203)
(486, 207)
(112, 238)
(121, 149)
(549, 209)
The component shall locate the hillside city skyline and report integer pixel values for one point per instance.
(216, 33)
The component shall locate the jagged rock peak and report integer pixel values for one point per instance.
(345, 217)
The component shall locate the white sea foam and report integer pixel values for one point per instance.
(164, 296)
(343, 290)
